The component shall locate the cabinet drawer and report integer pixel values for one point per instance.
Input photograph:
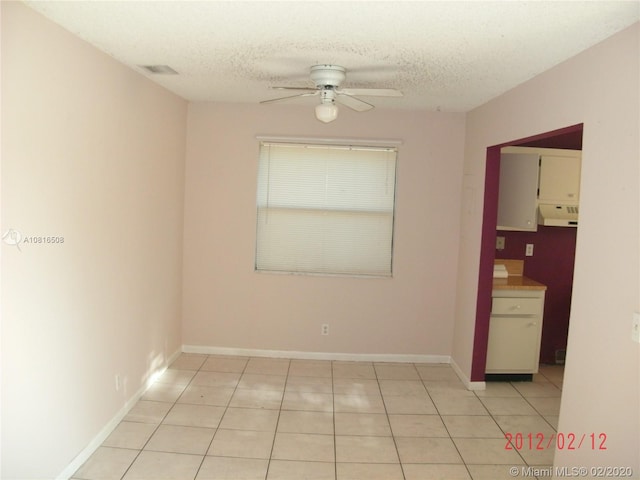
(516, 306)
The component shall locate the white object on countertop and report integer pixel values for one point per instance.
(500, 271)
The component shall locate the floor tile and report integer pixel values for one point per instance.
(241, 443)
(402, 387)
(292, 421)
(200, 395)
(292, 470)
(225, 417)
(409, 404)
(537, 453)
(553, 373)
(179, 439)
(358, 403)
(386, 371)
(491, 472)
(176, 377)
(163, 466)
(225, 468)
(372, 424)
(310, 368)
(148, 412)
(417, 426)
(250, 419)
(216, 379)
(447, 387)
(369, 471)
(130, 435)
(271, 399)
(472, 426)
(434, 471)
(427, 450)
(309, 447)
(308, 401)
(498, 389)
(359, 386)
(552, 420)
(361, 449)
(225, 364)
(360, 370)
(262, 381)
(309, 384)
(268, 366)
(163, 392)
(457, 405)
(545, 405)
(207, 416)
(523, 424)
(436, 372)
(532, 389)
(508, 406)
(107, 464)
(188, 361)
(485, 451)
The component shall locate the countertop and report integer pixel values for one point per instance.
(517, 282)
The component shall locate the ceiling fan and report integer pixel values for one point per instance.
(327, 80)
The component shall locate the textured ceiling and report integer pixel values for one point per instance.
(450, 55)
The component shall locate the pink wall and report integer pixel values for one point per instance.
(598, 88)
(227, 304)
(92, 152)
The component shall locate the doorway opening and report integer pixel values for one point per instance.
(565, 138)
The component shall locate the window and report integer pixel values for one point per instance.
(325, 209)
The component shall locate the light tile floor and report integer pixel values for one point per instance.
(227, 418)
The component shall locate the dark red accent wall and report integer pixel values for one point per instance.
(551, 264)
(569, 138)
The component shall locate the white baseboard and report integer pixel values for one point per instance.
(465, 379)
(93, 445)
(355, 357)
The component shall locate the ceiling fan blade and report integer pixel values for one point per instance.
(305, 89)
(353, 102)
(283, 99)
(374, 92)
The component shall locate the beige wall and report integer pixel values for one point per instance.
(92, 152)
(599, 88)
(227, 304)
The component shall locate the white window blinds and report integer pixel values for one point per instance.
(325, 209)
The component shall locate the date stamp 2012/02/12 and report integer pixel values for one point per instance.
(559, 441)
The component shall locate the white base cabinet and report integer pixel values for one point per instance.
(515, 331)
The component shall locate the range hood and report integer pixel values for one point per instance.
(557, 215)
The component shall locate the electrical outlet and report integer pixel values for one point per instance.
(635, 328)
(324, 329)
(499, 243)
(529, 250)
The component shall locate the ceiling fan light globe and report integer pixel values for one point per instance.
(327, 112)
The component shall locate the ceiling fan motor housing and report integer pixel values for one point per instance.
(327, 95)
(327, 75)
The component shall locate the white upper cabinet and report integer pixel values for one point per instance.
(559, 179)
(531, 176)
(518, 191)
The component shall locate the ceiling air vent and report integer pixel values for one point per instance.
(159, 69)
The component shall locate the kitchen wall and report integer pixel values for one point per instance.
(551, 264)
(598, 88)
(93, 153)
(227, 304)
